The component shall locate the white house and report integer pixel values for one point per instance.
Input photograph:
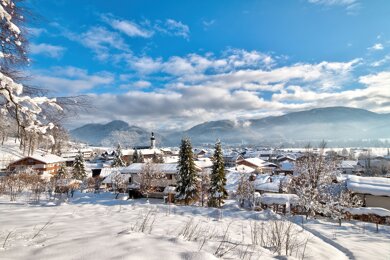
(375, 191)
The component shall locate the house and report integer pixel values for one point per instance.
(350, 167)
(286, 157)
(258, 164)
(204, 163)
(286, 167)
(253, 162)
(271, 184)
(199, 153)
(111, 176)
(375, 191)
(232, 159)
(45, 165)
(279, 202)
(166, 176)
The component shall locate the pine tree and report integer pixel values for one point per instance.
(62, 172)
(157, 158)
(218, 179)
(79, 172)
(141, 158)
(187, 183)
(118, 161)
(135, 156)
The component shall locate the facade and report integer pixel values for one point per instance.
(46, 165)
(375, 191)
(259, 165)
(166, 176)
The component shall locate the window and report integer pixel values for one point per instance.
(169, 176)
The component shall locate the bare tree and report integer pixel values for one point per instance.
(119, 183)
(148, 177)
(204, 177)
(245, 191)
(314, 174)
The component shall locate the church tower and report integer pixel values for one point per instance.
(152, 141)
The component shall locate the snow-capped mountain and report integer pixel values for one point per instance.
(331, 123)
(112, 133)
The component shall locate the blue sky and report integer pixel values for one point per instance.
(173, 64)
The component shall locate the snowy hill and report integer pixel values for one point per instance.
(332, 123)
(112, 133)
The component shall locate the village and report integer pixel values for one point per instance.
(255, 180)
(194, 130)
(258, 178)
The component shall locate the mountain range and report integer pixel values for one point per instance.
(330, 123)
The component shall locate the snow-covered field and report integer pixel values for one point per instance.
(96, 226)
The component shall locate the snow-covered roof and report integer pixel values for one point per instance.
(204, 163)
(113, 173)
(262, 178)
(367, 211)
(287, 166)
(257, 162)
(127, 151)
(47, 158)
(150, 151)
(268, 186)
(288, 157)
(143, 151)
(169, 189)
(171, 159)
(107, 171)
(161, 167)
(369, 185)
(241, 169)
(280, 199)
(348, 164)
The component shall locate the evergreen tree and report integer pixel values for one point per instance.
(187, 183)
(157, 158)
(79, 172)
(118, 161)
(135, 156)
(141, 158)
(218, 179)
(62, 172)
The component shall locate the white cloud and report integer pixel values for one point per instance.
(70, 80)
(146, 28)
(129, 28)
(333, 2)
(208, 23)
(239, 93)
(100, 40)
(45, 49)
(351, 6)
(376, 47)
(381, 62)
(142, 84)
(35, 32)
(236, 84)
(177, 28)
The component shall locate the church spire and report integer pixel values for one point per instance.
(152, 141)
